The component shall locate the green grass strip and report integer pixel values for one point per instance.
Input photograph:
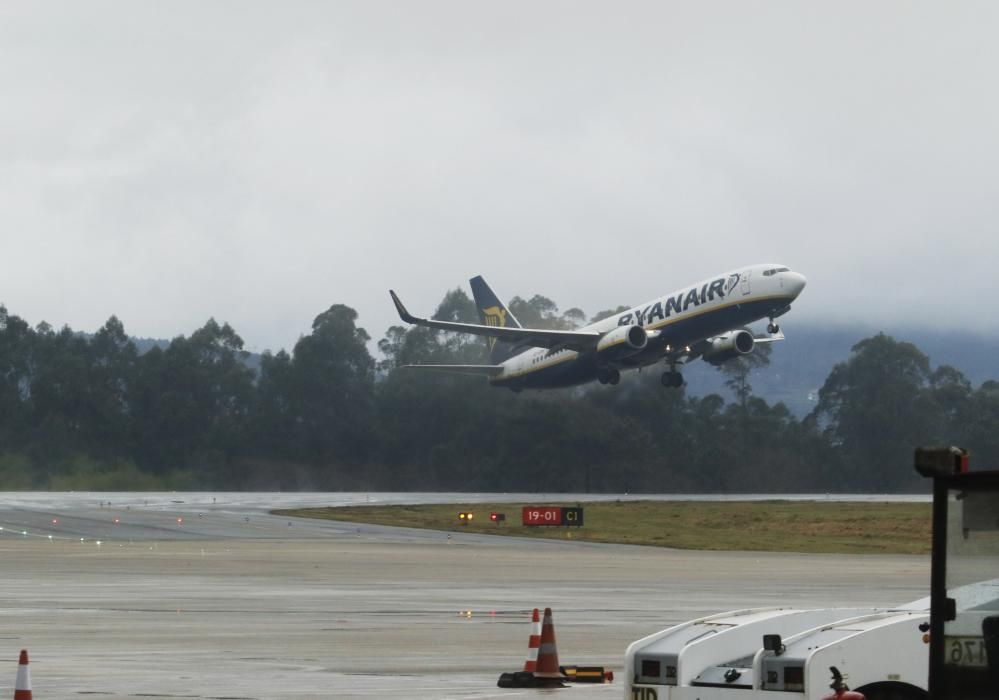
(777, 526)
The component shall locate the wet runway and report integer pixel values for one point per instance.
(208, 596)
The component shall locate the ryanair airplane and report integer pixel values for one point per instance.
(706, 320)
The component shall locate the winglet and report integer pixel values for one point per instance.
(403, 314)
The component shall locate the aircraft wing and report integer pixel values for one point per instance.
(779, 335)
(533, 337)
(488, 370)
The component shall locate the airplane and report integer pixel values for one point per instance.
(705, 320)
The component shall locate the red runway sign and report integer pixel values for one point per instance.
(553, 516)
(534, 515)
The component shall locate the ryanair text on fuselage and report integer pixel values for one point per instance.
(706, 320)
(679, 303)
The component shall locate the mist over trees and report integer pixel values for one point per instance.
(92, 412)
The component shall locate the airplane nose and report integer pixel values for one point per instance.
(794, 282)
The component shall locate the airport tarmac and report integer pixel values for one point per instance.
(231, 602)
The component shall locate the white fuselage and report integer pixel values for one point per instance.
(686, 316)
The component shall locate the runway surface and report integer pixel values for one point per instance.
(231, 602)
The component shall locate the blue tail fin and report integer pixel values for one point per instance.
(492, 312)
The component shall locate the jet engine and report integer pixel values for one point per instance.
(623, 341)
(729, 345)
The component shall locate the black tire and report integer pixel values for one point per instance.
(893, 691)
(614, 376)
(672, 379)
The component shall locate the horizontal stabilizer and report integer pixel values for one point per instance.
(487, 370)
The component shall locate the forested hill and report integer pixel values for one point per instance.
(93, 412)
(799, 365)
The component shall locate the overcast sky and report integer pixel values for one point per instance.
(168, 162)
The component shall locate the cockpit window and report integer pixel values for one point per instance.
(775, 270)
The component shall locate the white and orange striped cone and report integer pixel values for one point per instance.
(531, 665)
(547, 672)
(22, 687)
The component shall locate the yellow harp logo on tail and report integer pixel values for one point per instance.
(495, 316)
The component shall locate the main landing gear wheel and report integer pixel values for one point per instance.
(773, 328)
(672, 379)
(608, 375)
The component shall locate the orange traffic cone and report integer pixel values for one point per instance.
(22, 687)
(531, 665)
(547, 672)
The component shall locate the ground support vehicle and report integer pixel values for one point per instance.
(964, 619)
(783, 654)
(944, 647)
